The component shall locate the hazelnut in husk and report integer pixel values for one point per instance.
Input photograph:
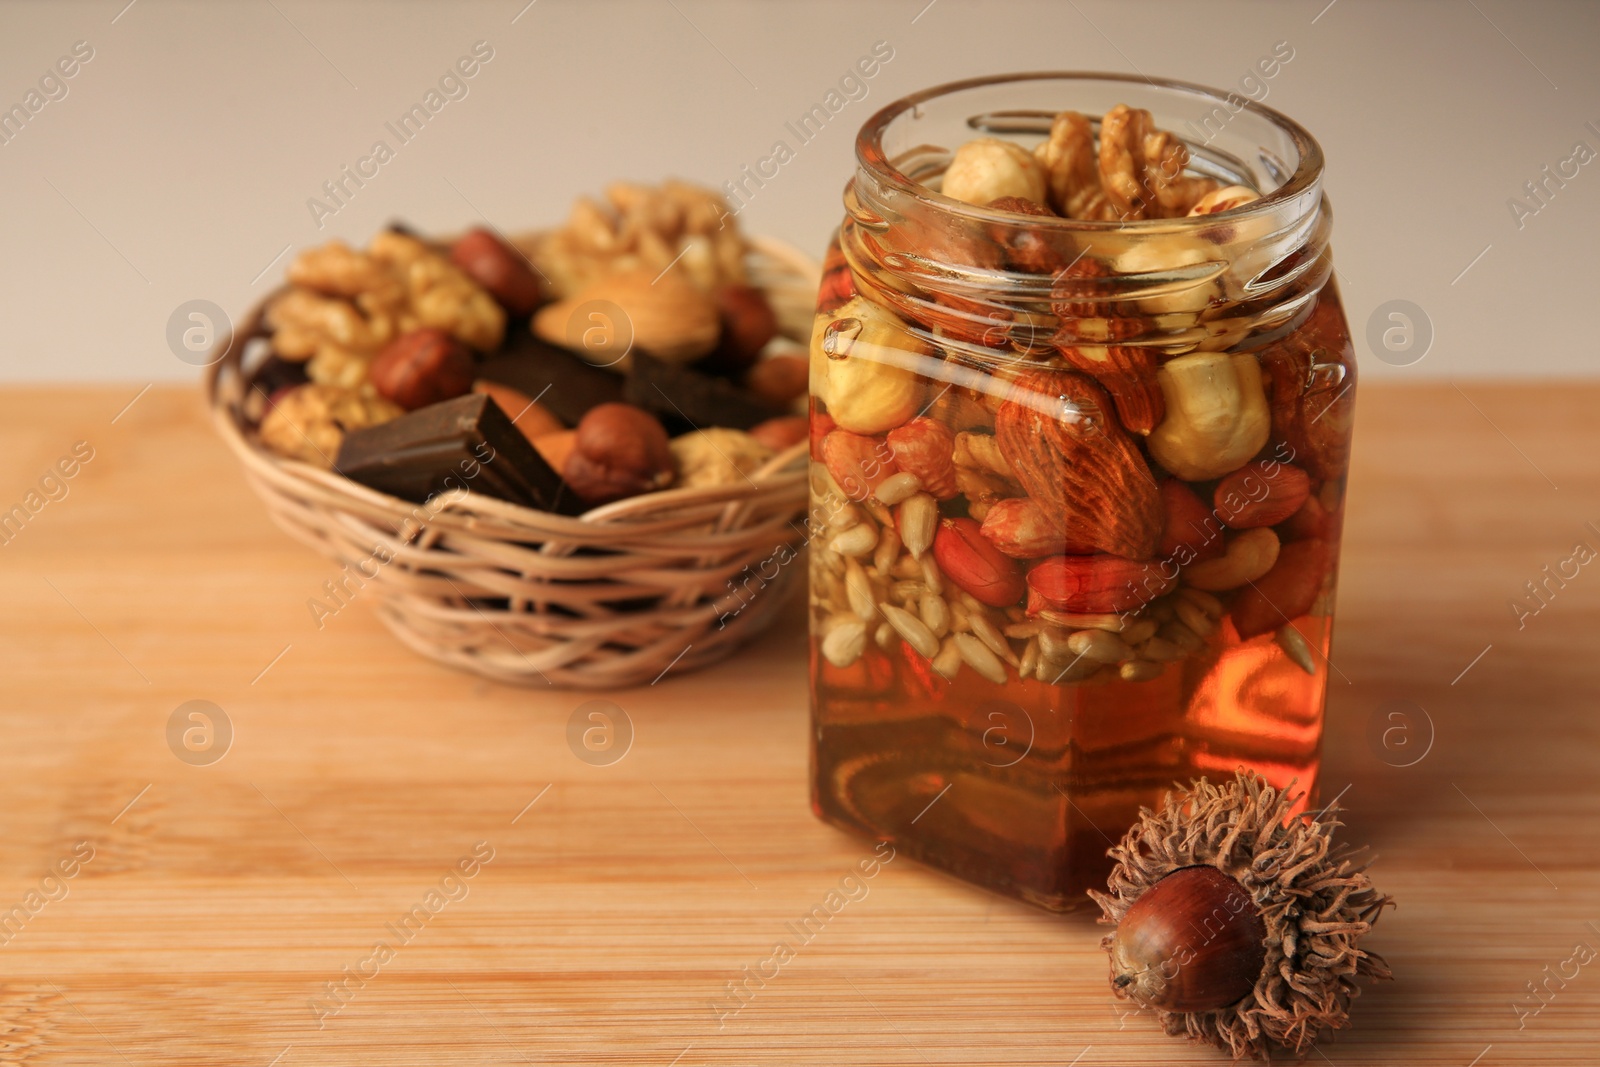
(1237, 920)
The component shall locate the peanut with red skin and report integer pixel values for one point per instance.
(968, 560)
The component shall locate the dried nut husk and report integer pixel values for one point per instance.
(1217, 415)
(666, 316)
(862, 367)
(989, 168)
(1277, 907)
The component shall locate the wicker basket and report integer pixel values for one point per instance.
(615, 597)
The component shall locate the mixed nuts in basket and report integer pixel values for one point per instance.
(625, 353)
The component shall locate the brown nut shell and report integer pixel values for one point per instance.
(1194, 941)
(500, 269)
(619, 451)
(422, 367)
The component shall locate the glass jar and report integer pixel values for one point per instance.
(1077, 486)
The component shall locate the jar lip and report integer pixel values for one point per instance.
(871, 157)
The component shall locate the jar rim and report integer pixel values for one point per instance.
(872, 158)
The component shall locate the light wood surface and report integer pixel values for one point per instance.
(220, 899)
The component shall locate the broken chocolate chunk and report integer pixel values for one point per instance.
(557, 379)
(465, 443)
(685, 399)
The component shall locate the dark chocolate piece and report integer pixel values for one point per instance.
(465, 443)
(553, 376)
(685, 399)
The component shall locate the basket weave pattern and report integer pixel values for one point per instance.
(618, 596)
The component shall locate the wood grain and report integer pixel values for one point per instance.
(618, 907)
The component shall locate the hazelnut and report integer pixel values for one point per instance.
(780, 380)
(618, 451)
(988, 168)
(420, 368)
(781, 432)
(529, 416)
(500, 269)
(748, 321)
(861, 360)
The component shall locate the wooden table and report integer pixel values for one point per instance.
(621, 900)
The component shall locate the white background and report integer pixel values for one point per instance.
(180, 162)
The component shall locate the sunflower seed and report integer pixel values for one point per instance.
(1202, 600)
(985, 631)
(856, 541)
(975, 654)
(912, 629)
(948, 662)
(1192, 616)
(1294, 643)
(1098, 646)
(858, 589)
(845, 642)
(1141, 670)
(897, 487)
(1160, 650)
(888, 550)
(935, 613)
(919, 515)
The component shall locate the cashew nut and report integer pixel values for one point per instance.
(1217, 415)
(1248, 556)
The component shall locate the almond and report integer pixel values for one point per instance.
(1284, 593)
(665, 315)
(1263, 493)
(968, 560)
(1312, 520)
(1311, 379)
(1191, 532)
(1129, 375)
(822, 425)
(1068, 452)
(838, 286)
(1095, 584)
